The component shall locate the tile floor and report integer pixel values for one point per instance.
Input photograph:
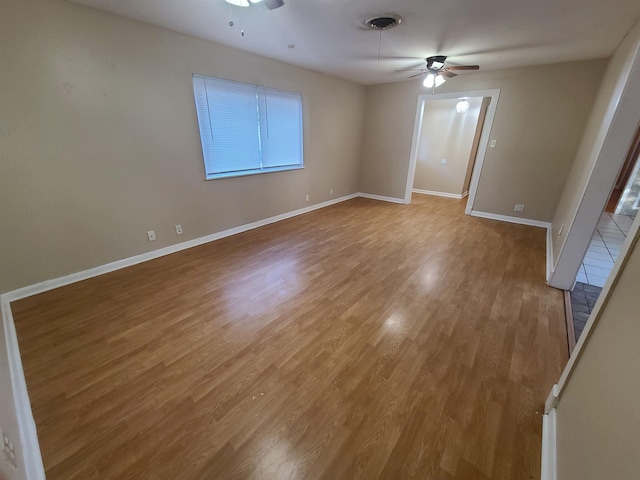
(583, 299)
(604, 249)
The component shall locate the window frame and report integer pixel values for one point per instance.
(253, 171)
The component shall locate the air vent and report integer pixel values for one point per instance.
(383, 22)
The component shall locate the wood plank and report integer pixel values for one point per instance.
(364, 340)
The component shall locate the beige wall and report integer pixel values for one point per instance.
(100, 141)
(446, 135)
(593, 138)
(538, 124)
(598, 416)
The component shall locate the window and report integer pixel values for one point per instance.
(247, 129)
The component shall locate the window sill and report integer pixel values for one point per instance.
(219, 176)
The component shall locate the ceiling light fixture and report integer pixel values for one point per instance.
(432, 80)
(238, 3)
(462, 106)
(429, 81)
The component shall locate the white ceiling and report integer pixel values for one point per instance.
(329, 37)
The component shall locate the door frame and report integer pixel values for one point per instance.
(494, 94)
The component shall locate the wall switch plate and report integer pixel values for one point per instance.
(331, 191)
(306, 199)
(151, 235)
(9, 451)
(518, 208)
(493, 143)
(179, 229)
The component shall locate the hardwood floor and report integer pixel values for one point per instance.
(364, 340)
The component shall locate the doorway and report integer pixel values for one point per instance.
(607, 240)
(448, 147)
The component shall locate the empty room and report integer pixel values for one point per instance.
(286, 239)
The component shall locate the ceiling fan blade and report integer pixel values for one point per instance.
(410, 70)
(417, 74)
(464, 67)
(273, 4)
(448, 74)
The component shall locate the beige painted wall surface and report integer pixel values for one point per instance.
(598, 417)
(100, 140)
(539, 121)
(446, 135)
(600, 118)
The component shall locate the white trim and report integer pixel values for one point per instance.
(415, 142)
(549, 253)
(371, 196)
(615, 134)
(33, 467)
(459, 196)
(506, 218)
(482, 146)
(552, 399)
(143, 257)
(549, 460)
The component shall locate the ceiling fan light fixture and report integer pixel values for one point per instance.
(429, 80)
(462, 106)
(439, 80)
(238, 3)
(255, 1)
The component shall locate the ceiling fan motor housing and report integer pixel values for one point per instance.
(436, 62)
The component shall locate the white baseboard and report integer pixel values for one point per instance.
(549, 465)
(440, 194)
(143, 257)
(29, 446)
(380, 197)
(507, 218)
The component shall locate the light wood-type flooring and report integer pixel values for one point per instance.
(364, 340)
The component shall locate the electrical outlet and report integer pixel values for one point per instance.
(151, 235)
(518, 208)
(306, 198)
(493, 144)
(9, 451)
(331, 191)
(179, 229)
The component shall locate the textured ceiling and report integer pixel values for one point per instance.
(329, 37)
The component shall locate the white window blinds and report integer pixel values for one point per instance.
(247, 129)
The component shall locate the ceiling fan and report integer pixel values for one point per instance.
(436, 73)
(270, 4)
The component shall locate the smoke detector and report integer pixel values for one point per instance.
(383, 22)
